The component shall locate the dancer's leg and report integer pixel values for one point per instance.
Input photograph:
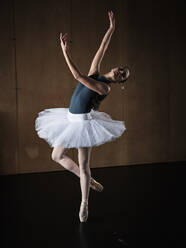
(85, 173)
(59, 156)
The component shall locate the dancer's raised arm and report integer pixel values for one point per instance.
(65, 48)
(95, 66)
(97, 86)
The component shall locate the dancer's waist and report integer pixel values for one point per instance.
(79, 117)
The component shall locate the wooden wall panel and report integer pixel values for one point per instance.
(43, 76)
(34, 76)
(8, 128)
(177, 88)
(147, 104)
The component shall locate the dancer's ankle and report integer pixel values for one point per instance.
(84, 201)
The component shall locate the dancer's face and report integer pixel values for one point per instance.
(120, 73)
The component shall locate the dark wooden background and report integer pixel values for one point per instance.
(149, 38)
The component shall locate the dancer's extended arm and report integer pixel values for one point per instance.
(95, 66)
(64, 45)
(100, 87)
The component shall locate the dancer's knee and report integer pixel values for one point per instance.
(58, 153)
(56, 158)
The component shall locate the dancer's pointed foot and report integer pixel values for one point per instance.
(83, 212)
(95, 185)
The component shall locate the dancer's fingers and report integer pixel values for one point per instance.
(65, 39)
(62, 36)
(110, 12)
(111, 15)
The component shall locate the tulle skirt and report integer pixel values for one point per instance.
(59, 127)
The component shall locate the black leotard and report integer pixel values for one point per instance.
(85, 99)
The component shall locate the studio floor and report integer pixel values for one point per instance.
(141, 206)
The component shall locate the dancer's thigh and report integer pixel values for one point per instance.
(58, 152)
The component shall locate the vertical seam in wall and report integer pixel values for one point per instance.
(120, 57)
(71, 44)
(169, 90)
(71, 19)
(121, 49)
(123, 92)
(16, 83)
(126, 50)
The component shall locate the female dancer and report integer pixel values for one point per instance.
(81, 125)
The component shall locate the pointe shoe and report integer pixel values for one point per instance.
(83, 212)
(95, 185)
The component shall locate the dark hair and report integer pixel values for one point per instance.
(124, 73)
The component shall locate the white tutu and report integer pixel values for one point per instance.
(59, 127)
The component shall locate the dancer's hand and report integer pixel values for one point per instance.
(64, 42)
(112, 20)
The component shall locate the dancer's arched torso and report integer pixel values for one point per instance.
(85, 99)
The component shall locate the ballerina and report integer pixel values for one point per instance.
(82, 125)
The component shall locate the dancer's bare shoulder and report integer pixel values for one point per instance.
(93, 84)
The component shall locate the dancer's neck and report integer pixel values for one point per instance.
(109, 76)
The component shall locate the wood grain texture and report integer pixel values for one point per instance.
(8, 89)
(149, 38)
